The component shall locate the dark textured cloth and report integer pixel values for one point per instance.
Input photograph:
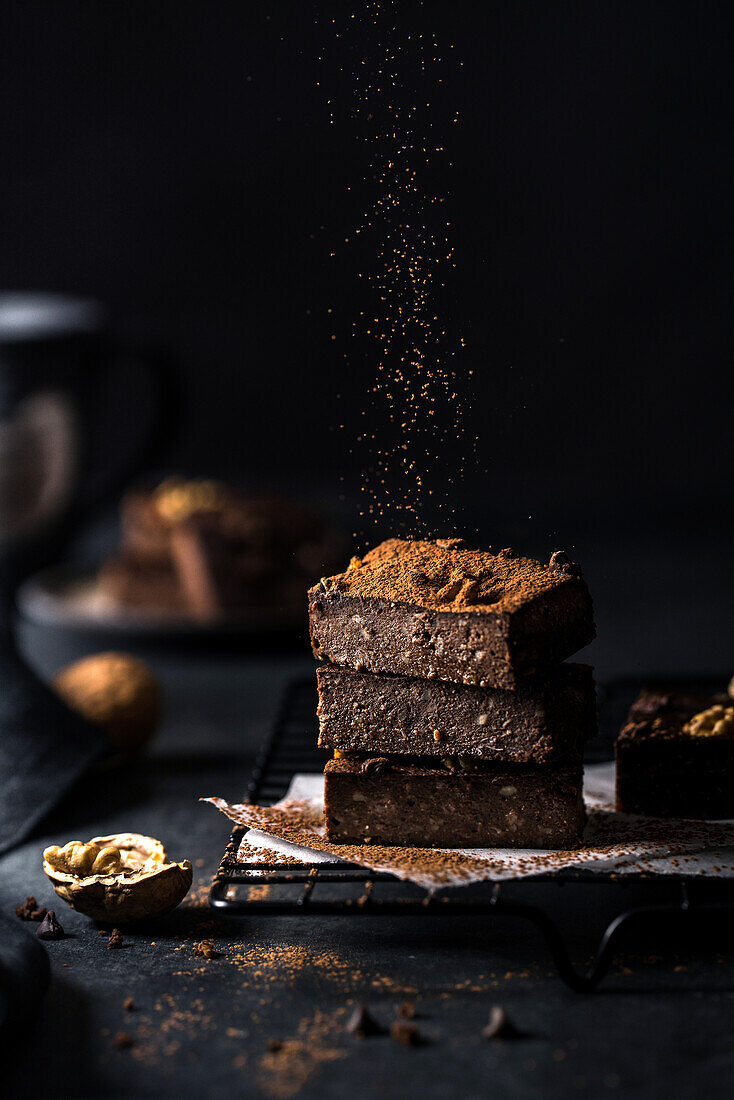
(24, 975)
(44, 749)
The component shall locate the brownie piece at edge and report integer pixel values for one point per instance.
(379, 802)
(141, 587)
(662, 771)
(206, 566)
(505, 619)
(543, 721)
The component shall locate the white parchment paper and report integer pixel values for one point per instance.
(613, 842)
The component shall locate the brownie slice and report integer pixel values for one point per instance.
(150, 586)
(206, 561)
(542, 721)
(437, 610)
(675, 756)
(206, 549)
(427, 805)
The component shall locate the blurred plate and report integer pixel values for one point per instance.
(66, 598)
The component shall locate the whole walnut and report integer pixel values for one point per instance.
(116, 692)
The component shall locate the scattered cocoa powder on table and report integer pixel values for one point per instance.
(283, 1072)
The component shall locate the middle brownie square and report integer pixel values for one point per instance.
(546, 720)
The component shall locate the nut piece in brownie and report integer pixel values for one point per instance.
(437, 610)
(545, 720)
(435, 804)
(675, 756)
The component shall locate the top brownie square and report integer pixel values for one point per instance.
(438, 610)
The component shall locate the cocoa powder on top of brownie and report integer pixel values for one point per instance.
(446, 575)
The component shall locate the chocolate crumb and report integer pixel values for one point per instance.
(123, 1040)
(30, 910)
(375, 765)
(129, 1004)
(362, 1024)
(49, 928)
(407, 1034)
(115, 939)
(102, 932)
(499, 1026)
(406, 1010)
(275, 1045)
(205, 948)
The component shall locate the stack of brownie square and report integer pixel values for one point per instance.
(452, 719)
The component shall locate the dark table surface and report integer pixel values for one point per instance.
(661, 1024)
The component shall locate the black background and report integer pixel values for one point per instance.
(178, 161)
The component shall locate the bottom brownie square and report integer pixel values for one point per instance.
(426, 804)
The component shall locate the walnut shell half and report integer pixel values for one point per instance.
(134, 881)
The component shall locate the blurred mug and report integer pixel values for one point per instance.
(81, 412)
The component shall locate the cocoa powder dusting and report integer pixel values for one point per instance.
(284, 1069)
(301, 823)
(445, 575)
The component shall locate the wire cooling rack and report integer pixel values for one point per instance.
(326, 889)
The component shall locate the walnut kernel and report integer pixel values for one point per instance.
(117, 879)
(717, 721)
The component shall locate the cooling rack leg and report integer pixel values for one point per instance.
(580, 983)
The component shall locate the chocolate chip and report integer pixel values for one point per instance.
(274, 1045)
(499, 1026)
(128, 1004)
(406, 1011)
(361, 1024)
(407, 1034)
(375, 765)
(560, 560)
(123, 1040)
(49, 928)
